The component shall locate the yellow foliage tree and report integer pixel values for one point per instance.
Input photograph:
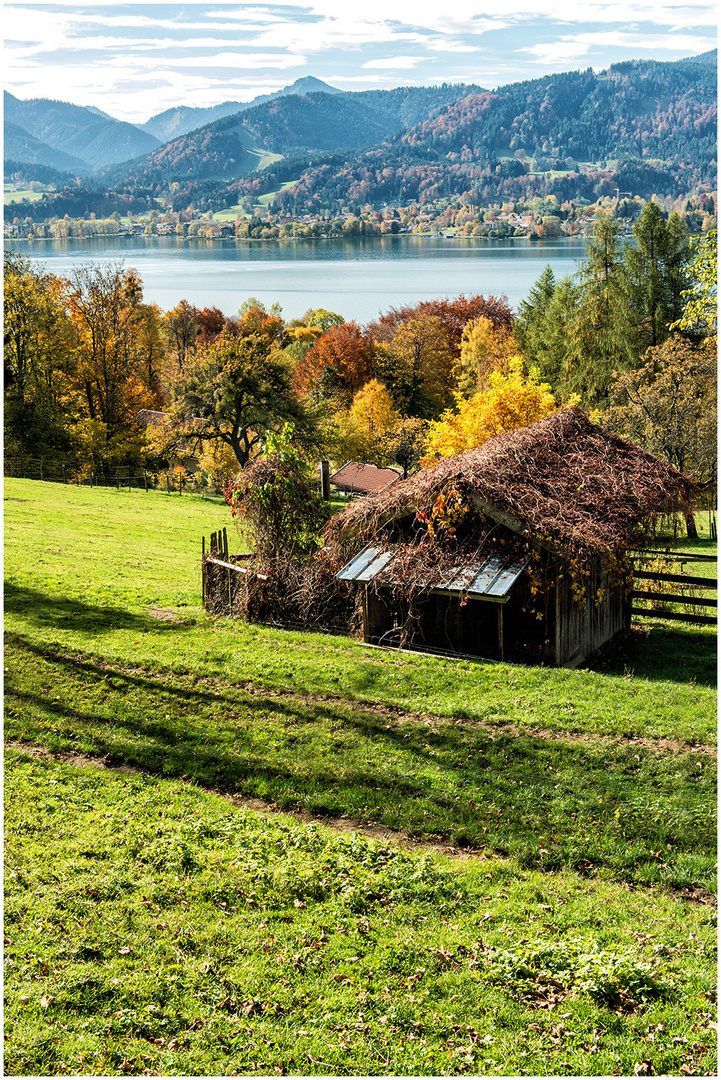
(485, 347)
(513, 400)
(371, 418)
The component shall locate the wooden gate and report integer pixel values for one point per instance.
(222, 574)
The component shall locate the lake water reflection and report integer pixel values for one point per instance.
(358, 278)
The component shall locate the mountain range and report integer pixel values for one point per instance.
(173, 123)
(231, 139)
(650, 125)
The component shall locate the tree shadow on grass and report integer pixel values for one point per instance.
(197, 754)
(500, 790)
(69, 613)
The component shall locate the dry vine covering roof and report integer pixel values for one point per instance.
(563, 479)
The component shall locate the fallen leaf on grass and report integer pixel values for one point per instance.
(46, 1002)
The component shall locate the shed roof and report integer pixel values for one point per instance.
(146, 417)
(354, 476)
(491, 577)
(564, 479)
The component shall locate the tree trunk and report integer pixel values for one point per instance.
(691, 530)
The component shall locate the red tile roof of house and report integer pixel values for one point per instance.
(364, 478)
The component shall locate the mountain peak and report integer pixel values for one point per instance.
(309, 84)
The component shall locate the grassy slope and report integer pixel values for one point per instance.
(531, 763)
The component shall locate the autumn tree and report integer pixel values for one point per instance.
(181, 328)
(211, 323)
(484, 348)
(254, 319)
(405, 443)
(417, 367)
(322, 319)
(364, 432)
(236, 391)
(151, 348)
(513, 400)
(337, 365)
(105, 304)
(452, 315)
(669, 406)
(39, 355)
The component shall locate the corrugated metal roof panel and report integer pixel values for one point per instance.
(492, 578)
(358, 563)
(504, 581)
(374, 568)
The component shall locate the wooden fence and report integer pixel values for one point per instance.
(665, 571)
(223, 573)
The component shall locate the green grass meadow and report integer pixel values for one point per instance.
(232, 849)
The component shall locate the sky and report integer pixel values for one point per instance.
(133, 60)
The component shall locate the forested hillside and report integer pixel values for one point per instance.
(22, 147)
(172, 123)
(651, 125)
(287, 125)
(642, 127)
(86, 134)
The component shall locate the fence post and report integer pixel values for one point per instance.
(325, 480)
(145, 478)
(167, 481)
(41, 468)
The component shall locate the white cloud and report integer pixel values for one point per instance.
(134, 57)
(233, 60)
(556, 52)
(394, 62)
(571, 47)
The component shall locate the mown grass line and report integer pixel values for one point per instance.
(153, 928)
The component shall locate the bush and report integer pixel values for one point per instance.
(274, 502)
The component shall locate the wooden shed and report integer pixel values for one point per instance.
(513, 551)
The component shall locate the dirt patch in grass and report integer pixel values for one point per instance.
(164, 615)
(340, 824)
(692, 895)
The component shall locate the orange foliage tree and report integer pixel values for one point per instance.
(451, 314)
(105, 304)
(338, 365)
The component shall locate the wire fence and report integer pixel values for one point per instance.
(59, 472)
(172, 481)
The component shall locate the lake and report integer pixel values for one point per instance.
(357, 278)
